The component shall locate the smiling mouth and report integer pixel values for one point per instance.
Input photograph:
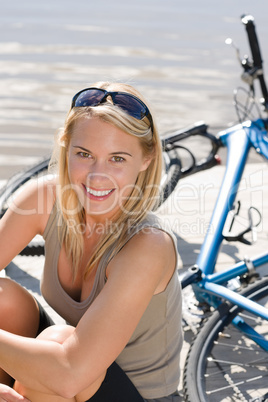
(98, 193)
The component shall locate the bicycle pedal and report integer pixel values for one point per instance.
(224, 335)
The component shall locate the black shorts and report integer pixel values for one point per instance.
(116, 386)
(44, 319)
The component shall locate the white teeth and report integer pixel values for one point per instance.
(98, 193)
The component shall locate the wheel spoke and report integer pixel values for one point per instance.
(234, 385)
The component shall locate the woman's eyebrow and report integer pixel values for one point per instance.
(121, 153)
(112, 153)
(84, 149)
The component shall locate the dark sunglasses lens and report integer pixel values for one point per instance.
(90, 97)
(130, 105)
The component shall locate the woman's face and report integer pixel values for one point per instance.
(103, 165)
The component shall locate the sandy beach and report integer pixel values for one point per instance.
(173, 51)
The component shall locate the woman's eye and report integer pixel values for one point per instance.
(118, 159)
(84, 154)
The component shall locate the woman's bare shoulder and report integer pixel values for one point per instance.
(35, 200)
(46, 193)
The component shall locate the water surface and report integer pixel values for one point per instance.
(173, 51)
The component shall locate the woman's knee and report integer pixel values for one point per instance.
(54, 333)
(19, 312)
(59, 333)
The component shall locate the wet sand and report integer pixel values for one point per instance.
(173, 51)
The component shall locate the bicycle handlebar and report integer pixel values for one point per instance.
(197, 129)
(248, 21)
(171, 142)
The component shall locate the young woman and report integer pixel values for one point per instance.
(110, 265)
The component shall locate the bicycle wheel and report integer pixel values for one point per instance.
(170, 178)
(222, 363)
(14, 185)
(16, 182)
(171, 174)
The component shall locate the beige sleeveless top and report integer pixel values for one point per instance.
(151, 358)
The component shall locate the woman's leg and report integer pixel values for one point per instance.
(56, 333)
(112, 386)
(19, 314)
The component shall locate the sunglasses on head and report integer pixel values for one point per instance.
(128, 102)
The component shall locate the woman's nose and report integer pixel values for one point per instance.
(98, 168)
(98, 176)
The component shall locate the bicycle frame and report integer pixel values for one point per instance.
(238, 140)
(216, 363)
(211, 288)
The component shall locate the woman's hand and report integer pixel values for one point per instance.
(8, 394)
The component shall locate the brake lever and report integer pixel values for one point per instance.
(229, 41)
(250, 72)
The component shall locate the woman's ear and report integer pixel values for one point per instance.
(146, 163)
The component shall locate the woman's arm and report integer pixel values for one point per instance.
(25, 218)
(142, 268)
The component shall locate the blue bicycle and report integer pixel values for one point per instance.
(238, 326)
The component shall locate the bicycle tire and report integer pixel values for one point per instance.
(208, 375)
(16, 183)
(171, 176)
(170, 179)
(18, 180)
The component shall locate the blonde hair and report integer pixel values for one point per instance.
(144, 196)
